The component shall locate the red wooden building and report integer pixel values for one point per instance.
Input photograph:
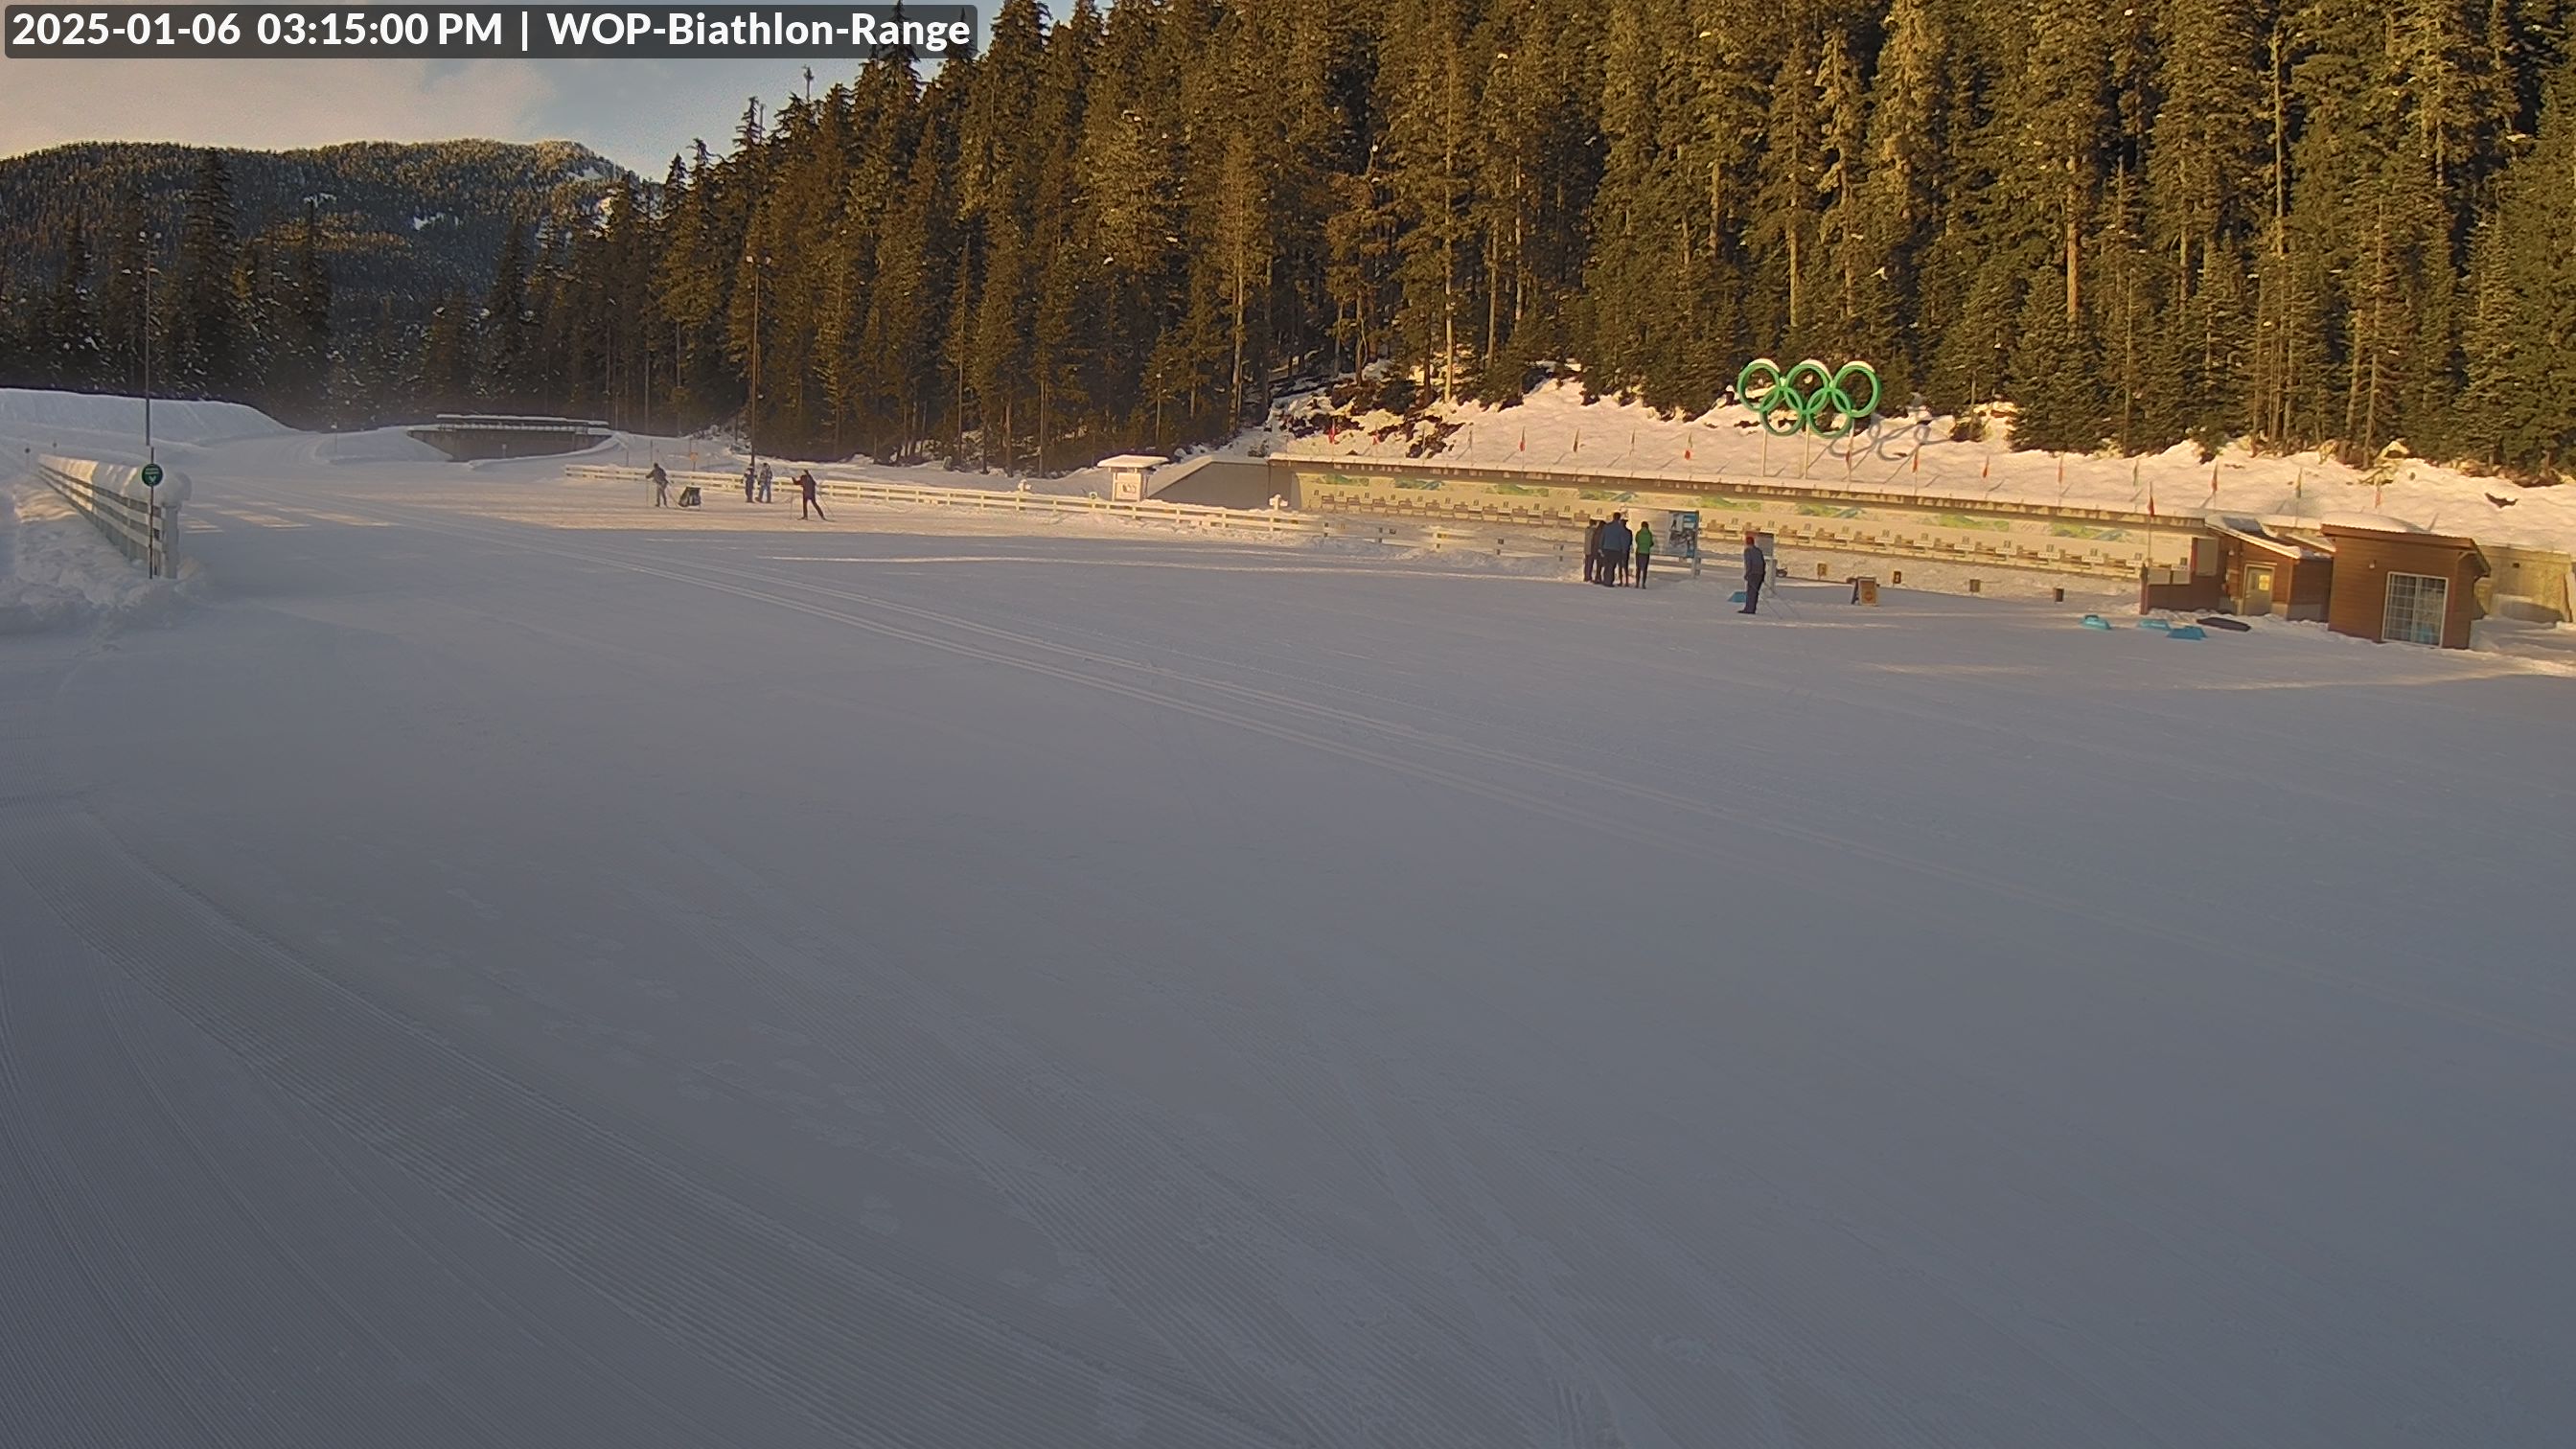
(2265, 571)
(2404, 588)
(2389, 584)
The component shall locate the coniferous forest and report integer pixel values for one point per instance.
(2301, 222)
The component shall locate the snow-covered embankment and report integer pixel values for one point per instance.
(58, 567)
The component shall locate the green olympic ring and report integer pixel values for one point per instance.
(1802, 399)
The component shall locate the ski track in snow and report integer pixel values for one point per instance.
(515, 968)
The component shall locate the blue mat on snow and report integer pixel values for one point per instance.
(2187, 631)
(2159, 625)
(2096, 621)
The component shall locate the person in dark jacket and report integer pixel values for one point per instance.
(750, 480)
(1614, 549)
(1645, 549)
(807, 498)
(661, 482)
(1591, 550)
(764, 483)
(1757, 567)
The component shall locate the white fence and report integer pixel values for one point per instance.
(990, 500)
(139, 520)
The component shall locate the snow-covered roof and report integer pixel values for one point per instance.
(2410, 535)
(1134, 460)
(2375, 522)
(2251, 532)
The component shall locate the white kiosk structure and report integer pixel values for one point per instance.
(1127, 476)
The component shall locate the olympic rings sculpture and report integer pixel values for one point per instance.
(1808, 398)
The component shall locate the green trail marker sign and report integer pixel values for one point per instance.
(151, 475)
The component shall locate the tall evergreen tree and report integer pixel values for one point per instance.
(2521, 332)
(504, 375)
(2297, 222)
(1902, 188)
(207, 355)
(123, 313)
(446, 377)
(71, 323)
(299, 298)
(2206, 198)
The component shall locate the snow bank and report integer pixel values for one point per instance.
(32, 415)
(56, 571)
(1555, 430)
(2548, 648)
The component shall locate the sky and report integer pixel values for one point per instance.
(638, 113)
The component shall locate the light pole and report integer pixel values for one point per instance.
(142, 271)
(758, 261)
(146, 267)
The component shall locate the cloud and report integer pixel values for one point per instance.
(261, 104)
(635, 112)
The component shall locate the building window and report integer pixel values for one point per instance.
(2417, 604)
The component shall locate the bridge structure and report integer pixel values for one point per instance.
(469, 436)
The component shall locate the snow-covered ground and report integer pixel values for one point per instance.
(57, 572)
(516, 966)
(1554, 429)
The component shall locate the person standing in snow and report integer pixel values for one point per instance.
(1614, 550)
(808, 499)
(1645, 549)
(764, 483)
(1757, 567)
(1591, 550)
(750, 482)
(661, 486)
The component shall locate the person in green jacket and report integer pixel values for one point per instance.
(1645, 549)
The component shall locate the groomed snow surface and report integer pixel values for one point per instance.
(517, 967)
